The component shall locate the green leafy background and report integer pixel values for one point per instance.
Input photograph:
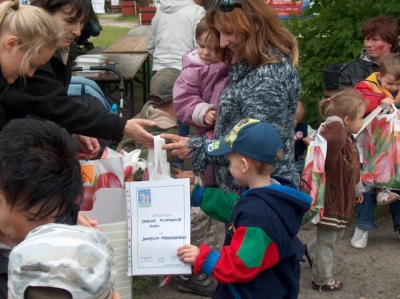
(329, 33)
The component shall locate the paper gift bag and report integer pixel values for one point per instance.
(144, 200)
(108, 172)
(314, 178)
(157, 166)
(382, 150)
(131, 161)
(99, 174)
(105, 201)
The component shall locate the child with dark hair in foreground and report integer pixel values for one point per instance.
(40, 181)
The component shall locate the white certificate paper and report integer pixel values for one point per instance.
(159, 223)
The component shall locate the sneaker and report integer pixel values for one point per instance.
(197, 284)
(385, 196)
(360, 238)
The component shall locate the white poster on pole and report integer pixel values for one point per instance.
(98, 6)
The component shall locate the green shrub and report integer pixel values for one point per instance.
(330, 33)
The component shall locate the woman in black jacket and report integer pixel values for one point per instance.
(45, 93)
(381, 38)
(28, 38)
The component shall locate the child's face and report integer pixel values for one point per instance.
(389, 82)
(207, 55)
(16, 224)
(353, 126)
(236, 168)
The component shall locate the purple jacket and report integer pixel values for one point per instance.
(197, 90)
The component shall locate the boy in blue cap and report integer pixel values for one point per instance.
(261, 254)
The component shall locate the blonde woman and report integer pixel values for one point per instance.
(29, 37)
(45, 94)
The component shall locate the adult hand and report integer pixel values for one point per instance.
(134, 129)
(187, 253)
(178, 145)
(88, 145)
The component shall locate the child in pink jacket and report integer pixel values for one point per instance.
(198, 88)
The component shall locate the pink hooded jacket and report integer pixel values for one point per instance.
(197, 90)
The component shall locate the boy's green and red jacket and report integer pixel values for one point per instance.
(261, 254)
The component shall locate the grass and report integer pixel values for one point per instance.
(127, 19)
(118, 17)
(108, 36)
(142, 284)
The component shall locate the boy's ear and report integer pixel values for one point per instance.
(11, 42)
(245, 164)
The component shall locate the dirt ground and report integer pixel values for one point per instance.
(109, 20)
(371, 273)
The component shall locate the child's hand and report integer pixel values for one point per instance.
(188, 253)
(209, 118)
(85, 220)
(359, 199)
(307, 140)
(386, 102)
(183, 174)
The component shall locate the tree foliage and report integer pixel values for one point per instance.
(329, 33)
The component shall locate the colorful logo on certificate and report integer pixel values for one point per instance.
(144, 198)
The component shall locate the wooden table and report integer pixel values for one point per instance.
(140, 30)
(127, 64)
(135, 42)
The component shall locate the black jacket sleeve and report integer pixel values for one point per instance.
(45, 97)
(356, 71)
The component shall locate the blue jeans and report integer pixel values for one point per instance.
(366, 212)
(183, 130)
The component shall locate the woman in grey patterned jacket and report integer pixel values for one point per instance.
(263, 83)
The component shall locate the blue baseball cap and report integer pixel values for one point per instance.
(252, 138)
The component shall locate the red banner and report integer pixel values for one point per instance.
(284, 8)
